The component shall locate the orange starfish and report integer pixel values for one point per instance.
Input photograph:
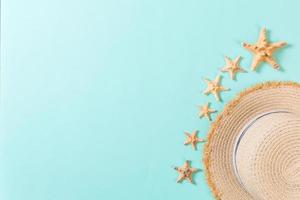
(263, 50)
(185, 172)
(214, 87)
(205, 111)
(232, 67)
(193, 139)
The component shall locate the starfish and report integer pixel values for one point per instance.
(214, 87)
(232, 67)
(193, 139)
(185, 172)
(263, 50)
(205, 111)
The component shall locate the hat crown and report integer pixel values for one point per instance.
(267, 156)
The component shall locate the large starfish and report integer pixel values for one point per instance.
(263, 50)
(185, 172)
(214, 87)
(205, 111)
(232, 67)
(193, 139)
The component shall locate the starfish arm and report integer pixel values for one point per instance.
(195, 133)
(217, 96)
(190, 179)
(206, 106)
(186, 164)
(256, 61)
(232, 75)
(194, 170)
(249, 47)
(272, 62)
(207, 81)
(224, 89)
(277, 45)
(208, 117)
(225, 69)
(201, 115)
(242, 70)
(180, 178)
(212, 111)
(187, 134)
(237, 60)
(217, 80)
(228, 61)
(263, 37)
(187, 141)
(194, 146)
(200, 140)
(207, 91)
(209, 86)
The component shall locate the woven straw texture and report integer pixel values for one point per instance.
(269, 170)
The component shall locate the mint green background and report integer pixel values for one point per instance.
(95, 95)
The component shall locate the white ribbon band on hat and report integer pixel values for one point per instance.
(240, 137)
(261, 145)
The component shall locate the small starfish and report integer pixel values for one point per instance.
(214, 87)
(193, 139)
(185, 172)
(263, 50)
(205, 111)
(232, 67)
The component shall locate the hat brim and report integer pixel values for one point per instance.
(221, 138)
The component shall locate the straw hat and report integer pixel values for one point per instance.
(253, 148)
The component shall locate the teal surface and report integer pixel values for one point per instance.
(96, 95)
